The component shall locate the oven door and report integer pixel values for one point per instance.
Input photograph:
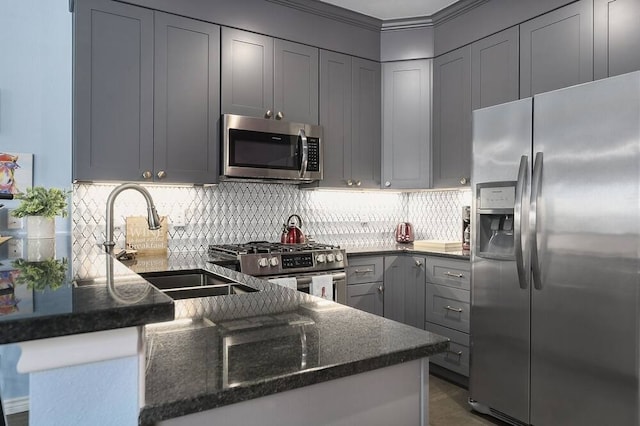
(338, 279)
(257, 148)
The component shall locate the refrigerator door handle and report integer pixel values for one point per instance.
(536, 183)
(521, 185)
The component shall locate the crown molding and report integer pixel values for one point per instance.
(332, 12)
(456, 10)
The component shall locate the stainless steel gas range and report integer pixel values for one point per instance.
(276, 260)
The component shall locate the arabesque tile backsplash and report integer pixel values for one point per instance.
(234, 212)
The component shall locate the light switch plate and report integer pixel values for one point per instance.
(15, 248)
(13, 222)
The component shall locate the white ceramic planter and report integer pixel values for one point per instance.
(40, 249)
(41, 227)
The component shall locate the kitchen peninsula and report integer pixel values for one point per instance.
(258, 351)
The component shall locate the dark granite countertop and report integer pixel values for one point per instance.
(392, 248)
(187, 370)
(39, 299)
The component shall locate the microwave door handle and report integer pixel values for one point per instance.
(305, 152)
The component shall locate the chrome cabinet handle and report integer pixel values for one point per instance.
(147, 174)
(162, 174)
(449, 274)
(268, 114)
(418, 263)
(279, 116)
(517, 221)
(464, 181)
(349, 182)
(449, 308)
(387, 184)
(358, 183)
(459, 353)
(363, 271)
(536, 182)
(380, 289)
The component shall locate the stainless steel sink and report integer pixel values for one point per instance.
(190, 284)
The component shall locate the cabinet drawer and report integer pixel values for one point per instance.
(365, 269)
(457, 357)
(452, 273)
(448, 307)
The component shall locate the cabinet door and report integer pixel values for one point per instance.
(406, 126)
(404, 290)
(187, 93)
(366, 297)
(365, 135)
(247, 73)
(335, 117)
(615, 38)
(452, 119)
(494, 69)
(556, 49)
(113, 91)
(295, 87)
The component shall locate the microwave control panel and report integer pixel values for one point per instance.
(314, 154)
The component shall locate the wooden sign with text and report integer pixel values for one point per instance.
(147, 242)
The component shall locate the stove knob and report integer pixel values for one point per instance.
(339, 257)
(274, 261)
(320, 258)
(330, 257)
(263, 262)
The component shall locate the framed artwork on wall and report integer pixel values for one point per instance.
(16, 172)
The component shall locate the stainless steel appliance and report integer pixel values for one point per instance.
(263, 149)
(277, 260)
(555, 257)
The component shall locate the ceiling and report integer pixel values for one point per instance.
(394, 9)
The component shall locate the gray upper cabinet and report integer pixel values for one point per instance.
(349, 115)
(556, 49)
(113, 91)
(494, 69)
(405, 289)
(452, 119)
(187, 100)
(263, 77)
(406, 126)
(145, 97)
(616, 36)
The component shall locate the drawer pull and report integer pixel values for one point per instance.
(363, 271)
(449, 274)
(458, 354)
(449, 308)
(380, 289)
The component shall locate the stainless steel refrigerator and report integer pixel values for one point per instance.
(555, 308)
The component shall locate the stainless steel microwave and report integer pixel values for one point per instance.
(264, 149)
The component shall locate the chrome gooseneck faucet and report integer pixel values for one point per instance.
(153, 219)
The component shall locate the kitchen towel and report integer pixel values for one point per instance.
(322, 286)
(289, 282)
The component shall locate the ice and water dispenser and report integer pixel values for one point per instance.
(495, 203)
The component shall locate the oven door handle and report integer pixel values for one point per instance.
(305, 281)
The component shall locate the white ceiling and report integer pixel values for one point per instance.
(393, 9)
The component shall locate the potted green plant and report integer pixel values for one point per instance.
(40, 206)
(50, 273)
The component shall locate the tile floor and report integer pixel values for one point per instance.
(448, 406)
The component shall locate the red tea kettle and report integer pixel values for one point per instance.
(291, 232)
(404, 232)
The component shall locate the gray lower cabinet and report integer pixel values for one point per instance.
(406, 124)
(145, 95)
(494, 69)
(615, 37)
(267, 77)
(404, 289)
(448, 302)
(556, 49)
(452, 119)
(349, 110)
(365, 284)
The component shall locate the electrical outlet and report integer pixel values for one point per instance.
(13, 222)
(15, 248)
(179, 220)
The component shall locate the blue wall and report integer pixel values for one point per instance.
(35, 88)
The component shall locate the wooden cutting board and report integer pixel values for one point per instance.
(147, 242)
